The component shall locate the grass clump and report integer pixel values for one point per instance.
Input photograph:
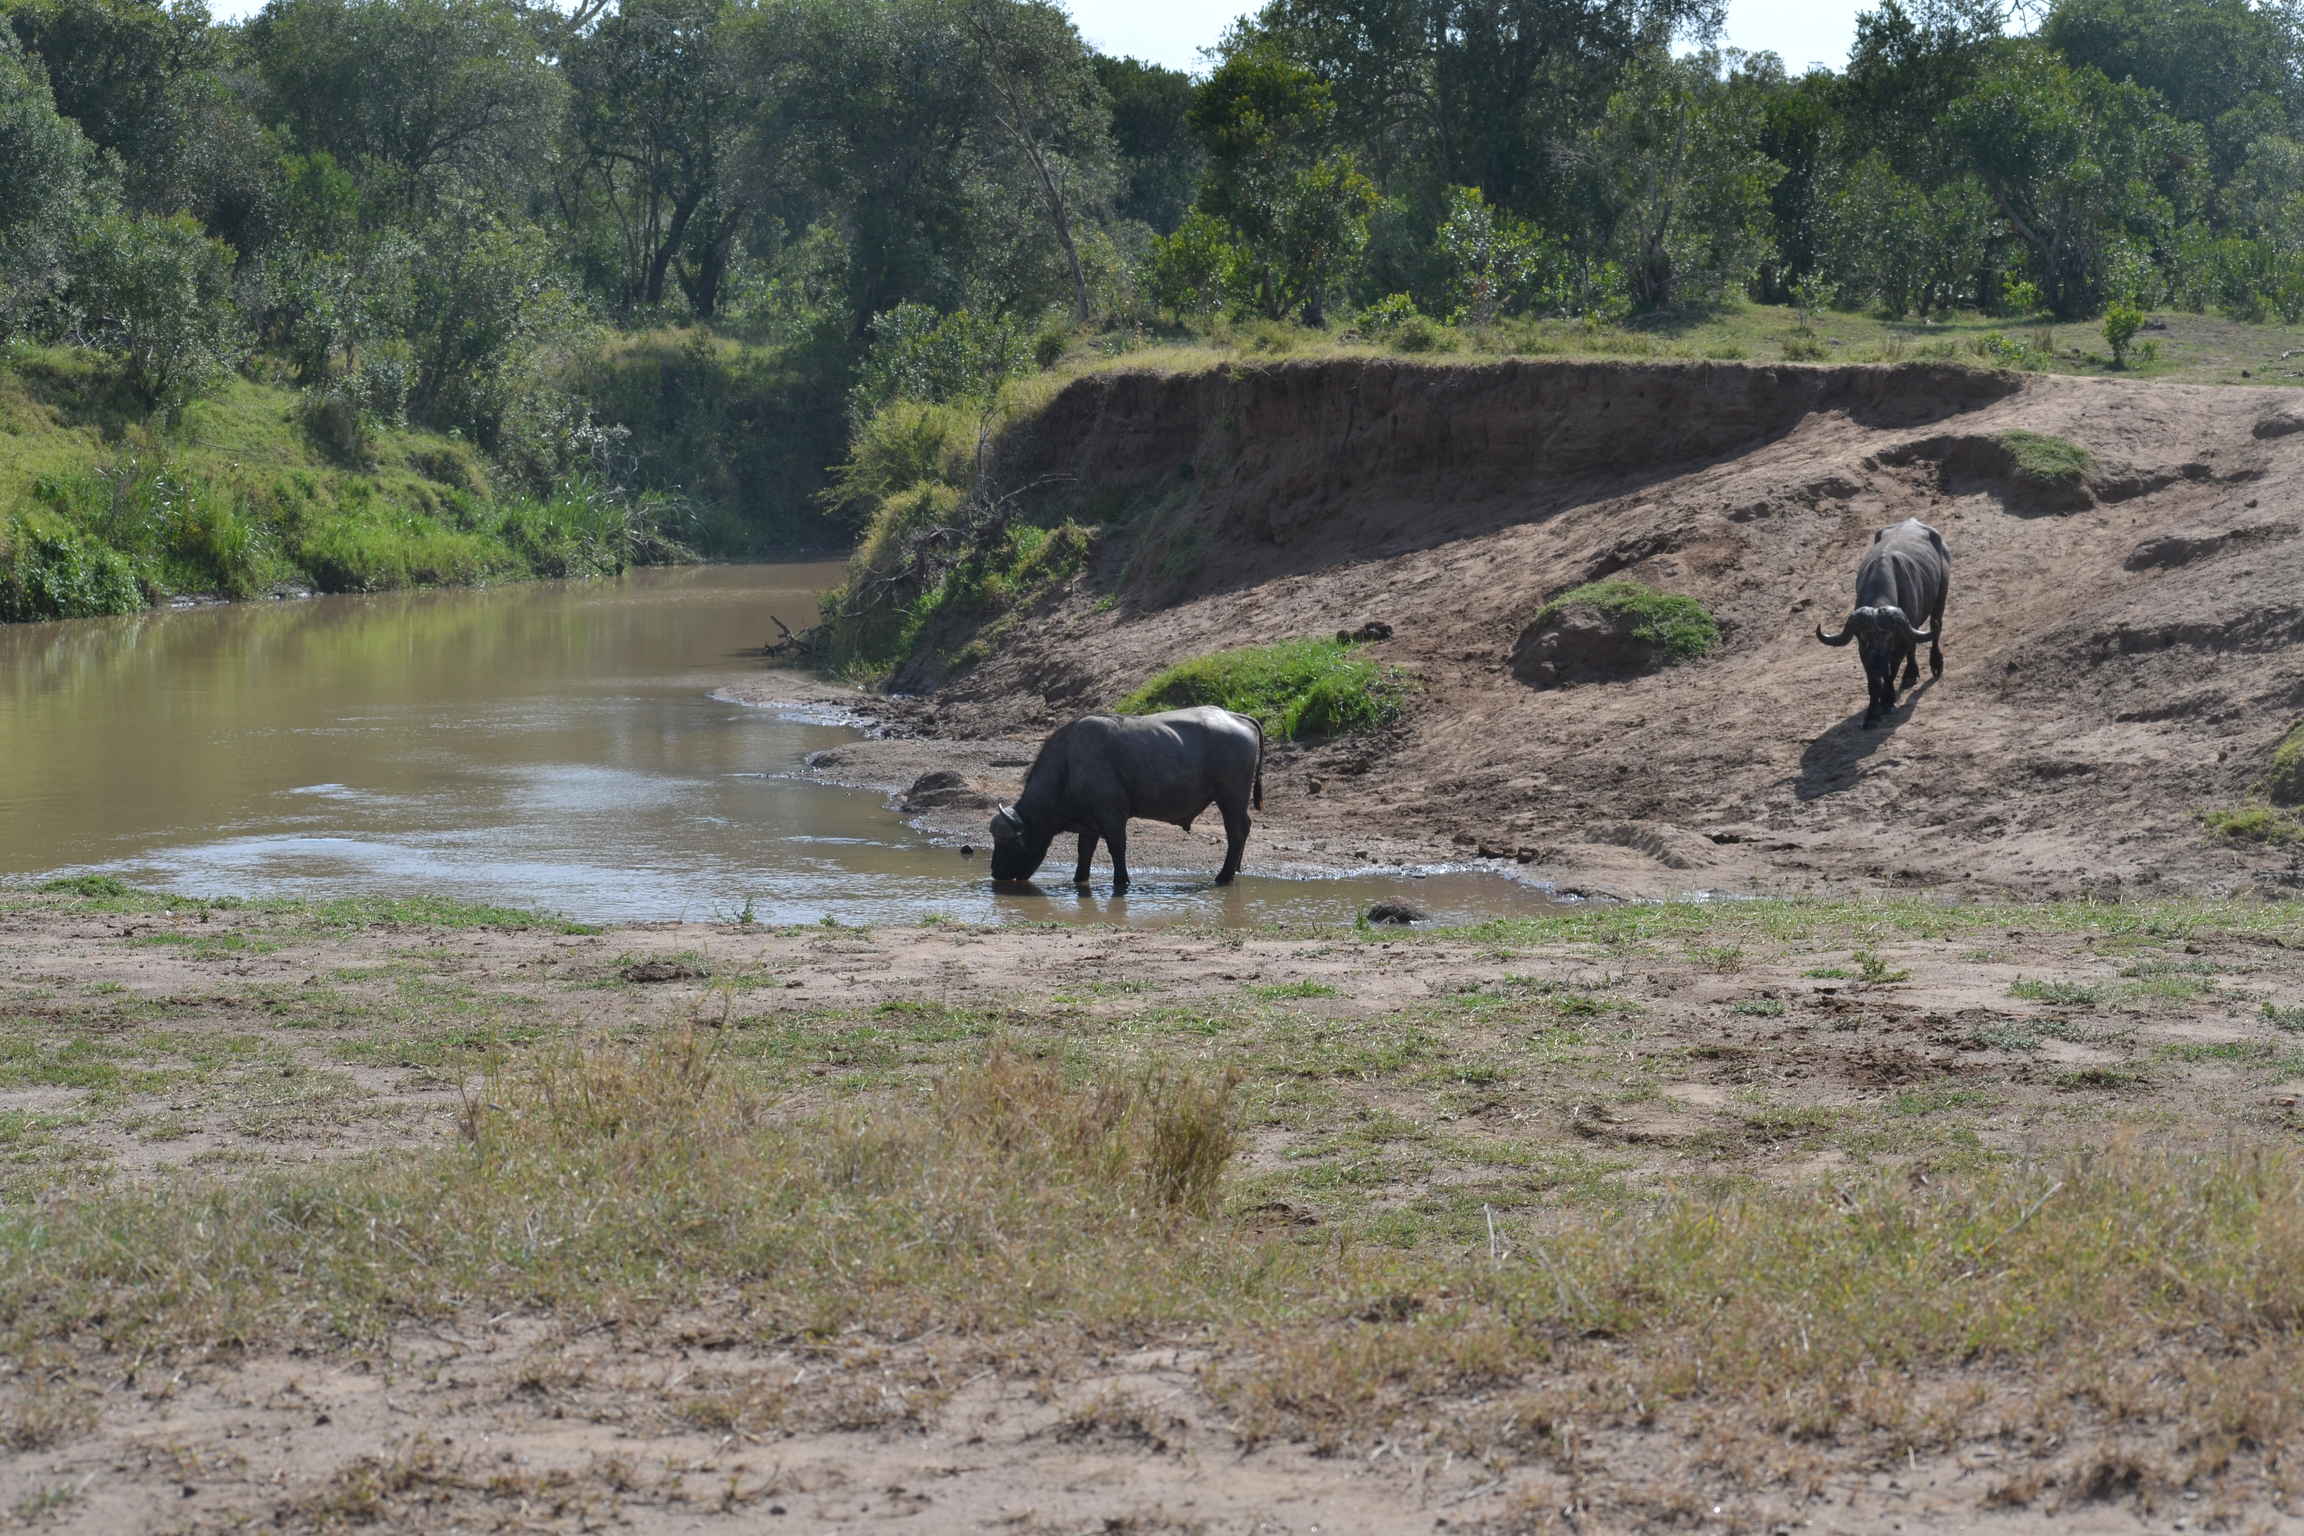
(2284, 784)
(2068, 994)
(2254, 824)
(2046, 460)
(1294, 689)
(2285, 1016)
(1679, 627)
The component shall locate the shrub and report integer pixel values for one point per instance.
(901, 448)
(916, 354)
(159, 290)
(1295, 688)
(2007, 352)
(52, 570)
(1677, 626)
(1395, 322)
(2121, 323)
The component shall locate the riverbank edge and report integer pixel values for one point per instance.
(903, 741)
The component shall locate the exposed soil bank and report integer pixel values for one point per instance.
(2121, 643)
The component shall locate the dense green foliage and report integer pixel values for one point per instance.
(1295, 689)
(1678, 626)
(687, 249)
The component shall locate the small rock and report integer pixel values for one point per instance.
(945, 790)
(1374, 629)
(1396, 912)
(1312, 786)
(967, 850)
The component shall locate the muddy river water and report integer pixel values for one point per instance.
(562, 746)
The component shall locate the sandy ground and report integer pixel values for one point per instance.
(240, 1044)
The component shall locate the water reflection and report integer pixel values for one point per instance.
(551, 745)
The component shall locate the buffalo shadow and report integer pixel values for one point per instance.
(1830, 764)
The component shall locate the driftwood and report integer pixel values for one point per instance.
(794, 645)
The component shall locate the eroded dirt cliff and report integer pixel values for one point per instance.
(2121, 647)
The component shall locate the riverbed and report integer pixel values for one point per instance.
(576, 747)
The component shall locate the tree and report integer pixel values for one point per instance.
(421, 96)
(1910, 61)
(159, 291)
(1480, 93)
(1299, 207)
(1890, 241)
(1044, 96)
(1159, 160)
(1800, 128)
(877, 116)
(48, 161)
(1684, 187)
(2228, 65)
(656, 110)
(2074, 162)
(131, 73)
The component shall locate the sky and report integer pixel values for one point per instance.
(1172, 32)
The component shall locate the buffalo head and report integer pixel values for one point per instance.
(1017, 849)
(1875, 626)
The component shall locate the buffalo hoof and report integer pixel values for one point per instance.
(1224, 876)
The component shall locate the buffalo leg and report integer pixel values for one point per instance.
(1911, 665)
(1087, 852)
(1936, 640)
(1235, 841)
(1116, 842)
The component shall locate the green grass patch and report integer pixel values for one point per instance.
(1679, 627)
(1938, 1101)
(1311, 687)
(1288, 989)
(2048, 460)
(2065, 994)
(2254, 824)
